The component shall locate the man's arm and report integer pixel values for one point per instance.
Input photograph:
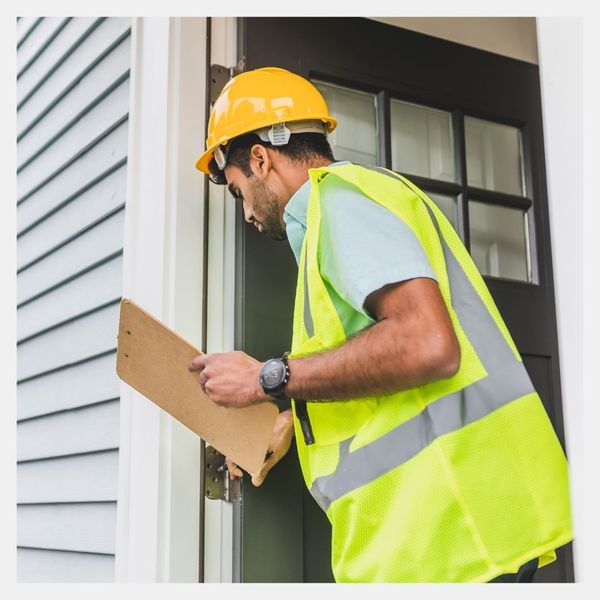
(412, 343)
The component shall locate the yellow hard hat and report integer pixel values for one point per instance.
(262, 98)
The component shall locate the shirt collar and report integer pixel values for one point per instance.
(298, 204)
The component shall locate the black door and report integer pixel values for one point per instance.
(465, 125)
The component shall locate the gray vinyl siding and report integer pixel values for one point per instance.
(72, 126)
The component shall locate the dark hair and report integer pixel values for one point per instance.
(301, 148)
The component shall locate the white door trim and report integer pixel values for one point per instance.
(159, 459)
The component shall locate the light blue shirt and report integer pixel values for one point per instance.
(370, 247)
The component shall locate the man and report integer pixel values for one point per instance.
(418, 430)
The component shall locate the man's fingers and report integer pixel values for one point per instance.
(234, 470)
(202, 379)
(198, 362)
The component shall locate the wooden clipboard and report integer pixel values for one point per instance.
(153, 359)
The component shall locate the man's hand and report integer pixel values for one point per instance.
(230, 379)
(281, 440)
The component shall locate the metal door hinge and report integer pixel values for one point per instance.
(217, 483)
(220, 75)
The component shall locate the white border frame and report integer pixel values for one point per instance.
(159, 459)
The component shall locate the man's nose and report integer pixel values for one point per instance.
(248, 213)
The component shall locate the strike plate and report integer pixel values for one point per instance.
(217, 483)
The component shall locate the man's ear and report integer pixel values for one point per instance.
(260, 160)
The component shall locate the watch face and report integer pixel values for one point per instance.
(272, 374)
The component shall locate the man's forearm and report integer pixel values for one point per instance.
(381, 359)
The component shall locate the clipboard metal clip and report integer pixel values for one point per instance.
(217, 483)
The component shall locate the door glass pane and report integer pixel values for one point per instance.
(355, 137)
(447, 204)
(499, 241)
(422, 141)
(494, 157)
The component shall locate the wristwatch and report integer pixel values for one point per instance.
(274, 375)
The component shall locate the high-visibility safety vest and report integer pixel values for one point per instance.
(458, 480)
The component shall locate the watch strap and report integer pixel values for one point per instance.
(280, 394)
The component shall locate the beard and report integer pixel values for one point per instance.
(269, 217)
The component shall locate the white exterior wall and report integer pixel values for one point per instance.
(108, 128)
(72, 123)
(561, 71)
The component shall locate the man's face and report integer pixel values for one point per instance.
(261, 204)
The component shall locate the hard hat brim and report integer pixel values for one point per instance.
(204, 160)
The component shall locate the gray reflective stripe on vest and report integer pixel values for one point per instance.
(308, 322)
(507, 380)
(399, 445)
